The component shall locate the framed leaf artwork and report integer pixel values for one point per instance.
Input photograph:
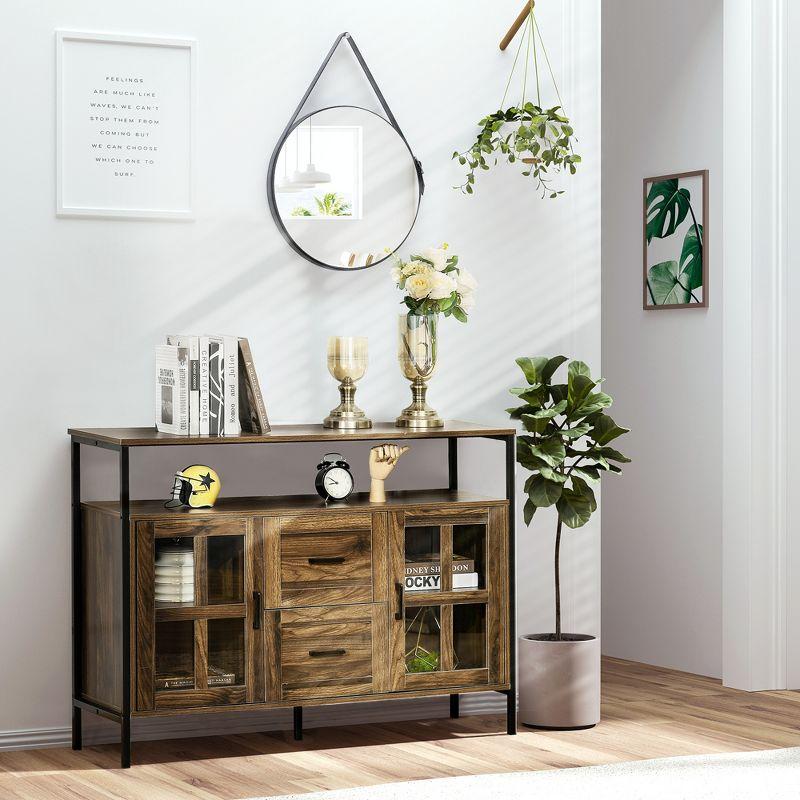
(675, 249)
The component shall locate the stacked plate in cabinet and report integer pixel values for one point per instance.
(175, 574)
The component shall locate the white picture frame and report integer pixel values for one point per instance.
(108, 86)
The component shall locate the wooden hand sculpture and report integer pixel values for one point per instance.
(381, 462)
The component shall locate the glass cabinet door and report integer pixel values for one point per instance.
(451, 602)
(200, 597)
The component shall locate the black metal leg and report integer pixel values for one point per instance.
(77, 731)
(77, 615)
(511, 710)
(452, 464)
(453, 706)
(124, 507)
(125, 741)
(298, 723)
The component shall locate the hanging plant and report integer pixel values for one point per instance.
(542, 139)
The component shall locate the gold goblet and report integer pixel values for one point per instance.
(347, 363)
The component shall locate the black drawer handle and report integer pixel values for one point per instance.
(326, 560)
(256, 611)
(339, 651)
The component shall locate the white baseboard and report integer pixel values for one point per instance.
(97, 730)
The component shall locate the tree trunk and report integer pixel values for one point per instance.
(558, 580)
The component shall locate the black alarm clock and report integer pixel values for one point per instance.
(334, 481)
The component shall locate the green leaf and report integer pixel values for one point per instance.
(586, 473)
(667, 206)
(614, 455)
(528, 511)
(550, 367)
(544, 493)
(665, 285)
(576, 432)
(605, 430)
(551, 451)
(578, 368)
(578, 389)
(534, 425)
(583, 489)
(552, 411)
(460, 314)
(532, 368)
(574, 508)
(551, 475)
(691, 261)
(592, 404)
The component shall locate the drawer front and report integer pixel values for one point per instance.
(333, 651)
(326, 566)
(197, 525)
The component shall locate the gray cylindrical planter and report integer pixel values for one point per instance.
(559, 682)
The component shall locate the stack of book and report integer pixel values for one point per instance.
(175, 574)
(423, 573)
(207, 386)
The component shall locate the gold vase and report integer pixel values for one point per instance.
(347, 363)
(416, 351)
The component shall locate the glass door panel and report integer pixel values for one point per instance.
(226, 652)
(469, 636)
(225, 572)
(423, 558)
(469, 556)
(174, 655)
(423, 629)
(174, 572)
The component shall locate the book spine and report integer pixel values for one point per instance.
(204, 372)
(432, 583)
(192, 343)
(434, 568)
(166, 389)
(183, 391)
(216, 387)
(231, 353)
(251, 401)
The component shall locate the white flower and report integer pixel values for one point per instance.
(466, 282)
(467, 302)
(396, 274)
(442, 286)
(437, 256)
(419, 285)
(415, 268)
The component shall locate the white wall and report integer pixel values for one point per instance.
(86, 300)
(662, 535)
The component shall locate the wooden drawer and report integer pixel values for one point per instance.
(189, 525)
(334, 651)
(326, 561)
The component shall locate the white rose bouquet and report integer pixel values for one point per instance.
(434, 284)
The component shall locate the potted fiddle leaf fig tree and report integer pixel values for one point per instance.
(566, 447)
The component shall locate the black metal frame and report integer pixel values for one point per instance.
(123, 717)
(296, 120)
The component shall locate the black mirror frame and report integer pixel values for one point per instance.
(296, 120)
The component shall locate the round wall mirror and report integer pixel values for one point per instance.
(343, 186)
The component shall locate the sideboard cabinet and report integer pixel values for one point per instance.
(290, 603)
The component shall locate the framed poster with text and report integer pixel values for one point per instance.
(125, 115)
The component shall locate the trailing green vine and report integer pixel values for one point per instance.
(542, 140)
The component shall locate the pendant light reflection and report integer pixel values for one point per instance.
(310, 176)
(285, 185)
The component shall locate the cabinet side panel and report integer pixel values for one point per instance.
(101, 573)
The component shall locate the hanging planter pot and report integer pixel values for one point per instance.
(540, 139)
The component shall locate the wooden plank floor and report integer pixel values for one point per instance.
(648, 712)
